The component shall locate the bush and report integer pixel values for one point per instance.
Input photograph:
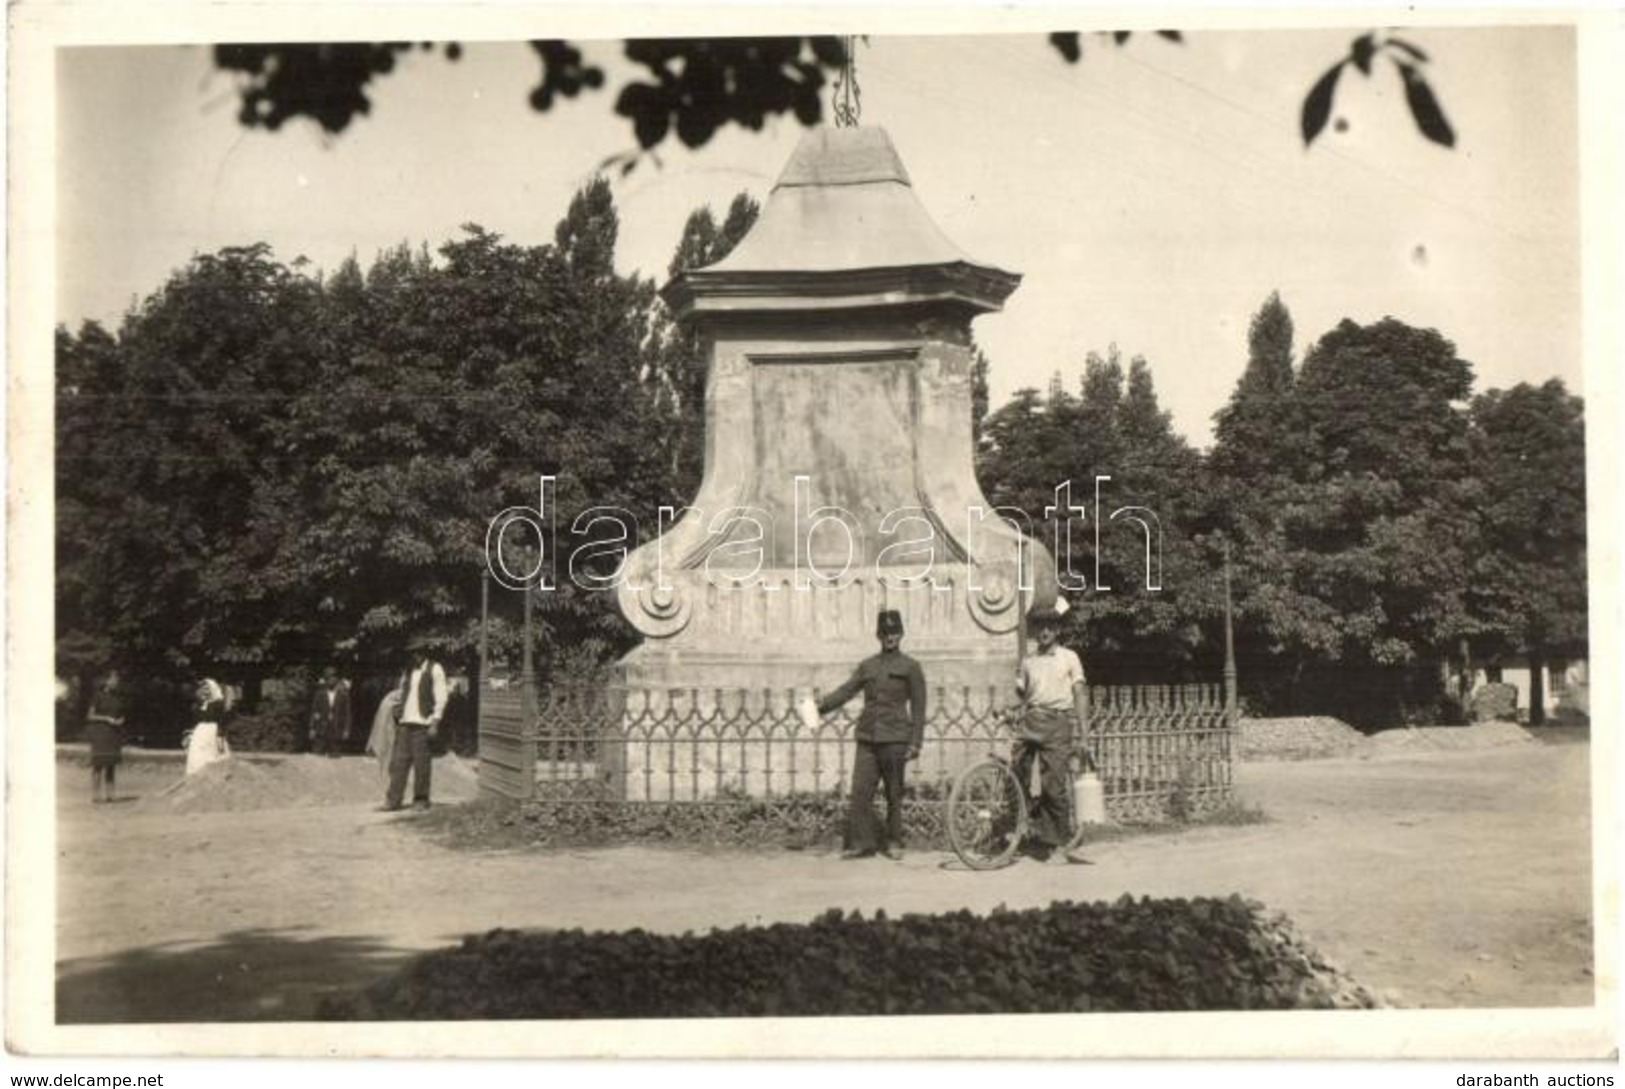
(570, 813)
(270, 730)
(279, 724)
(1201, 954)
(801, 821)
(1367, 696)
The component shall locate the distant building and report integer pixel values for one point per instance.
(1565, 684)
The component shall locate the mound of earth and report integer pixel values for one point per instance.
(1308, 737)
(1319, 737)
(256, 781)
(1482, 735)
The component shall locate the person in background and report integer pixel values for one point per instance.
(890, 731)
(105, 730)
(1054, 702)
(381, 741)
(208, 744)
(330, 721)
(423, 704)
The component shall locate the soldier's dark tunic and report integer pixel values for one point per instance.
(892, 722)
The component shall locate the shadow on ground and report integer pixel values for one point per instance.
(246, 975)
(1562, 733)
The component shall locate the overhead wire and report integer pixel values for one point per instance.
(1391, 177)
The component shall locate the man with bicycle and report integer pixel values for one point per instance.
(1054, 703)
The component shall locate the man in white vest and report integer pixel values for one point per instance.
(423, 702)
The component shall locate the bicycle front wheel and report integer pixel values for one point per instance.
(987, 815)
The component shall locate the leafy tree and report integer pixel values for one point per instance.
(1252, 432)
(1528, 582)
(694, 87)
(163, 439)
(468, 382)
(1352, 550)
(585, 238)
(162, 435)
(1383, 399)
(978, 392)
(680, 357)
(1155, 492)
(1100, 408)
(266, 470)
(1138, 621)
(1256, 451)
(87, 372)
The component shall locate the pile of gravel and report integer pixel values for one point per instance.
(1319, 737)
(294, 782)
(1308, 737)
(1482, 735)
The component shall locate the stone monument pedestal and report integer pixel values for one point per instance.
(839, 481)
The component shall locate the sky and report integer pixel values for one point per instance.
(1151, 196)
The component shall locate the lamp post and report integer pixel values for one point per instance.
(485, 625)
(527, 669)
(1229, 646)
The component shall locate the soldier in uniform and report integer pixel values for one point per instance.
(890, 731)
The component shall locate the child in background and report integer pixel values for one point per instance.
(104, 727)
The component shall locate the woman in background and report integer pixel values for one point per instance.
(104, 727)
(207, 745)
(381, 742)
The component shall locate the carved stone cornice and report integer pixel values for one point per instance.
(977, 289)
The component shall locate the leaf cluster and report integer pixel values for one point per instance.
(1069, 44)
(693, 86)
(696, 86)
(1408, 62)
(326, 82)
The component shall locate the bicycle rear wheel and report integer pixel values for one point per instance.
(987, 815)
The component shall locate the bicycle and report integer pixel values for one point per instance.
(990, 810)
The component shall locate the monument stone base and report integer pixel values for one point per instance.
(705, 726)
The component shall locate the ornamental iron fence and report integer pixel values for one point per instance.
(1162, 750)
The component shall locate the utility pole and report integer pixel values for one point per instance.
(527, 672)
(1229, 647)
(485, 625)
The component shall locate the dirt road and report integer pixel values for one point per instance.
(1443, 879)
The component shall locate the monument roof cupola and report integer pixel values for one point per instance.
(842, 229)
